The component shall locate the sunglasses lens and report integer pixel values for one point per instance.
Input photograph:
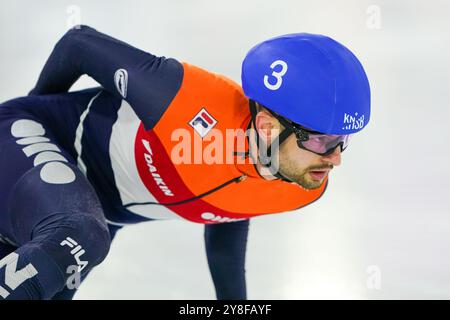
(322, 144)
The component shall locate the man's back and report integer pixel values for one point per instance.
(49, 145)
(128, 165)
(156, 142)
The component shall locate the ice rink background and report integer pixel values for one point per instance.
(382, 230)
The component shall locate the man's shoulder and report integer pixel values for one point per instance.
(208, 79)
(220, 97)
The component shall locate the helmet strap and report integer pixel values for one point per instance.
(266, 158)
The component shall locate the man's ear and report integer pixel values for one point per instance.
(266, 124)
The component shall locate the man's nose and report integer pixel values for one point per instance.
(334, 158)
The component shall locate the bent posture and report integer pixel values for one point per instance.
(79, 166)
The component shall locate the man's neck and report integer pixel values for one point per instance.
(253, 148)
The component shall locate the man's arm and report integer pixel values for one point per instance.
(150, 82)
(226, 244)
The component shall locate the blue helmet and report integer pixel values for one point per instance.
(311, 80)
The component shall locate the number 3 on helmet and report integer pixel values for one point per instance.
(311, 80)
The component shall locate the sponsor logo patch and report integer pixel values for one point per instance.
(203, 122)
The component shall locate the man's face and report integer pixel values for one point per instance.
(304, 167)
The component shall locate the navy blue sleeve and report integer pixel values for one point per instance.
(226, 244)
(148, 83)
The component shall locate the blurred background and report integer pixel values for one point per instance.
(382, 229)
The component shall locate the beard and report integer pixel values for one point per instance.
(301, 177)
(280, 162)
